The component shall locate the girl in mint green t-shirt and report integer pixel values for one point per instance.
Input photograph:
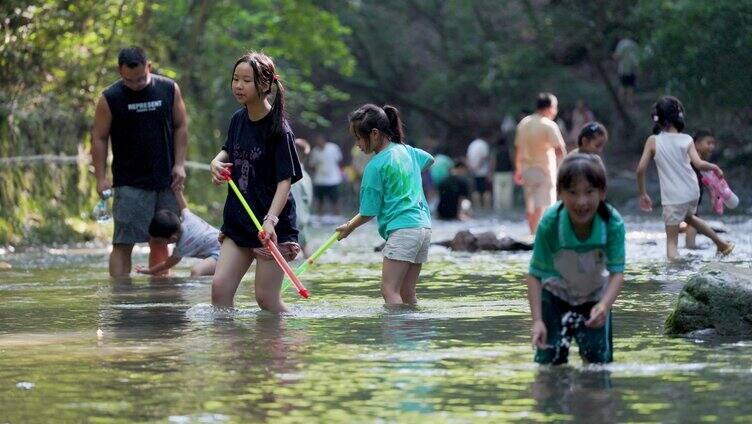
(391, 190)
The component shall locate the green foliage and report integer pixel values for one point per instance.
(60, 55)
(42, 202)
(453, 67)
(698, 49)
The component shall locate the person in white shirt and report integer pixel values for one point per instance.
(479, 162)
(675, 153)
(325, 160)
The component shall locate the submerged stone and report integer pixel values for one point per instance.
(465, 241)
(719, 297)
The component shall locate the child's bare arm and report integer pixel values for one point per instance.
(182, 204)
(534, 297)
(278, 203)
(162, 266)
(219, 167)
(701, 164)
(599, 312)
(615, 281)
(350, 226)
(647, 154)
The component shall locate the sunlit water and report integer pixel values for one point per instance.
(76, 347)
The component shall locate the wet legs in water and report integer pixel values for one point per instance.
(533, 218)
(233, 263)
(703, 228)
(672, 237)
(398, 281)
(120, 260)
(672, 242)
(158, 253)
(205, 267)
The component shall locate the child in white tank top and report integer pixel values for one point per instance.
(673, 152)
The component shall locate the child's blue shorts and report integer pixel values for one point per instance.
(596, 345)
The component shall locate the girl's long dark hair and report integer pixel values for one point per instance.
(369, 116)
(264, 77)
(587, 166)
(668, 111)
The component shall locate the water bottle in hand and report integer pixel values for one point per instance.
(101, 212)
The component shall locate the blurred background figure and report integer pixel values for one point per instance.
(591, 139)
(581, 115)
(302, 192)
(503, 173)
(442, 165)
(479, 164)
(359, 159)
(627, 56)
(539, 151)
(454, 190)
(325, 159)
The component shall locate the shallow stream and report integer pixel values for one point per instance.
(75, 346)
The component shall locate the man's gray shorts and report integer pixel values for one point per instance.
(132, 210)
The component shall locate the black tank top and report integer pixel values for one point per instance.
(143, 149)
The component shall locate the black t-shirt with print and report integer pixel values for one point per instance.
(259, 163)
(143, 149)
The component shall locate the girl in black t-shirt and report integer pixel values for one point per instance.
(260, 157)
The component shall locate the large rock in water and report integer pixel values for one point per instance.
(719, 297)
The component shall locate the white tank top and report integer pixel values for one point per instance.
(677, 178)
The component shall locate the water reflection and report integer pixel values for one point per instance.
(402, 332)
(254, 363)
(133, 310)
(582, 394)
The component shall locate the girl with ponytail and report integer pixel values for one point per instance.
(391, 191)
(259, 155)
(674, 151)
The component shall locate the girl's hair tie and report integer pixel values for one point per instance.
(592, 127)
(275, 77)
(655, 118)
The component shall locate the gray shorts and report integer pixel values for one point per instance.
(132, 210)
(408, 245)
(676, 214)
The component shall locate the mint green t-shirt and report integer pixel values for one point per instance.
(392, 190)
(440, 169)
(556, 235)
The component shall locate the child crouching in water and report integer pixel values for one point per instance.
(674, 151)
(577, 267)
(392, 191)
(193, 238)
(259, 155)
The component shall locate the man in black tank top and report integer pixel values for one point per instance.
(144, 117)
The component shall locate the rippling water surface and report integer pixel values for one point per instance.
(75, 346)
